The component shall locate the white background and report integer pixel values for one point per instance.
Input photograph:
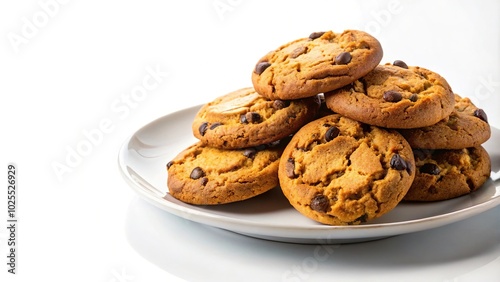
(69, 69)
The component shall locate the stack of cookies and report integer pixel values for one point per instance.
(346, 138)
(242, 136)
(450, 159)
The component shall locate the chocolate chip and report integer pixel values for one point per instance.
(204, 181)
(392, 96)
(315, 35)
(331, 133)
(203, 128)
(421, 154)
(398, 163)
(400, 64)
(261, 67)
(430, 168)
(250, 153)
(343, 58)
(409, 167)
(214, 125)
(414, 97)
(481, 114)
(290, 168)
(253, 117)
(169, 164)
(280, 104)
(196, 173)
(320, 203)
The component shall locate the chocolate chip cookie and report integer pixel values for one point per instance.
(244, 118)
(339, 171)
(447, 174)
(203, 175)
(467, 126)
(322, 62)
(395, 96)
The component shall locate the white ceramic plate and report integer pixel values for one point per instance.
(142, 161)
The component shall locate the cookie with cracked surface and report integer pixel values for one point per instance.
(322, 62)
(447, 174)
(395, 96)
(204, 175)
(339, 171)
(467, 126)
(244, 118)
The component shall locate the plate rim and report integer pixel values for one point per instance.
(279, 232)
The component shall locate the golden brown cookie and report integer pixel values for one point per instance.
(322, 62)
(447, 174)
(203, 175)
(244, 118)
(395, 96)
(467, 126)
(338, 171)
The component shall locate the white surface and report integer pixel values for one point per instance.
(82, 68)
(142, 162)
